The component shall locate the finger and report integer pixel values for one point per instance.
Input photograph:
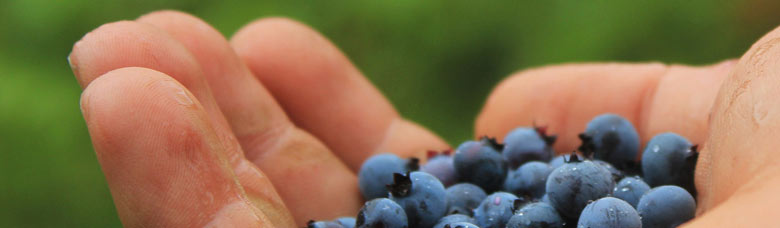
(655, 98)
(122, 44)
(323, 93)
(299, 165)
(161, 157)
(682, 101)
(739, 164)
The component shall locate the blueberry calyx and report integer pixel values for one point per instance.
(587, 147)
(491, 141)
(310, 224)
(572, 158)
(413, 164)
(692, 156)
(401, 185)
(361, 218)
(542, 131)
(516, 205)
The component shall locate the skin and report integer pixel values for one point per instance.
(191, 129)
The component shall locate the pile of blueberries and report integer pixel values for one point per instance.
(520, 183)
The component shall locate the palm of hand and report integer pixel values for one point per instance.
(269, 129)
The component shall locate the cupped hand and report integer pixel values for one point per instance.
(269, 128)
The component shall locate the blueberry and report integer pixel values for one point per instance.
(496, 209)
(481, 163)
(666, 206)
(525, 144)
(609, 212)
(616, 174)
(347, 222)
(536, 215)
(463, 198)
(442, 168)
(559, 160)
(528, 180)
(572, 185)
(454, 218)
(324, 224)
(381, 212)
(631, 190)
(461, 225)
(611, 138)
(669, 159)
(421, 195)
(377, 172)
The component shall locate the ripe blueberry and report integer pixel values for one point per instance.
(528, 180)
(377, 172)
(525, 144)
(480, 163)
(611, 138)
(536, 215)
(666, 206)
(381, 212)
(463, 198)
(669, 159)
(421, 195)
(571, 186)
(496, 209)
(441, 167)
(453, 218)
(631, 190)
(609, 212)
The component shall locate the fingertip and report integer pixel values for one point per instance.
(244, 36)
(131, 92)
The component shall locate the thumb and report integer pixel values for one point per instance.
(737, 175)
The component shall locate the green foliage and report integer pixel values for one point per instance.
(435, 60)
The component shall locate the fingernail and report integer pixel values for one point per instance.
(83, 105)
(72, 67)
(73, 63)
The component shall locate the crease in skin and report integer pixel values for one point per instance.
(387, 134)
(265, 199)
(295, 155)
(228, 160)
(645, 107)
(253, 181)
(217, 145)
(237, 214)
(755, 199)
(260, 143)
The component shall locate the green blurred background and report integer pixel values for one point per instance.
(435, 60)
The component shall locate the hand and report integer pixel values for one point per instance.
(269, 128)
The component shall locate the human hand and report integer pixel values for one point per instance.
(190, 131)
(269, 129)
